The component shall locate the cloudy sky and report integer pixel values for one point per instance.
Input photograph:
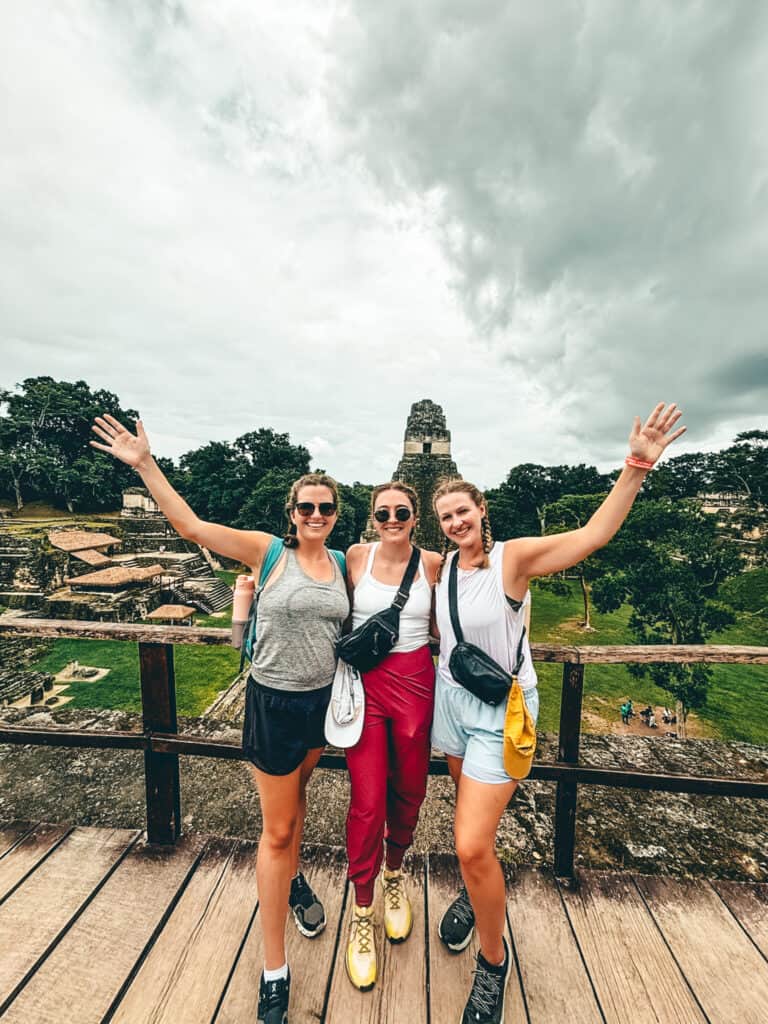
(307, 215)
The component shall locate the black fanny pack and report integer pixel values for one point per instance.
(469, 664)
(372, 641)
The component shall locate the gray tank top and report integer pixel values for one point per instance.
(298, 624)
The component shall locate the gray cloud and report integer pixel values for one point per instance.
(598, 175)
(543, 217)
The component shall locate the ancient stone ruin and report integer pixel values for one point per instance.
(76, 573)
(425, 462)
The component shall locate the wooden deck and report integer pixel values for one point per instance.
(95, 926)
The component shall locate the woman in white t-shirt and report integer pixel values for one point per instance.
(388, 766)
(492, 592)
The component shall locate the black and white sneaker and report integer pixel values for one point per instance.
(457, 923)
(308, 912)
(486, 1000)
(273, 1000)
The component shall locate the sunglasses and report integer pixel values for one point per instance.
(307, 508)
(402, 514)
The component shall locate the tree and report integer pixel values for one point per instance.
(219, 480)
(264, 508)
(668, 562)
(353, 515)
(45, 427)
(517, 508)
(570, 513)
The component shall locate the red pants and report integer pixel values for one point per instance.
(388, 766)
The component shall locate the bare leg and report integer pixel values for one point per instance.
(306, 768)
(282, 818)
(479, 807)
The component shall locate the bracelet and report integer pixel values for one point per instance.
(638, 463)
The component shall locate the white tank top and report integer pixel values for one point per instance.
(371, 596)
(486, 617)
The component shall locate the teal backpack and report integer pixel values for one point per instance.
(271, 558)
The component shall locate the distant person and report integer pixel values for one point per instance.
(625, 713)
(301, 612)
(492, 590)
(652, 721)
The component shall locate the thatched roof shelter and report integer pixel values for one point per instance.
(114, 578)
(172, 613)
(81, 540)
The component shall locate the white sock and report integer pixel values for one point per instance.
(279, 972)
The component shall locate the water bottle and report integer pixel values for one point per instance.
(241, 607)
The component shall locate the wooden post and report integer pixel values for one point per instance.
(161, 771)
(570, 735)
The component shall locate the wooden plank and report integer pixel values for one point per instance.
(136, 632)
(568, 753)
(402, 979)
(186, 970)
(82, 976)
(749, 905)
(543, 937)
(311, 960)
(727, 973)
(11, 832)
(450, 974)
(161, 771)
(38, 911)
(27, 854)
(634, 974)
(15, 625)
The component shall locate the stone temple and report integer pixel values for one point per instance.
(425, 462)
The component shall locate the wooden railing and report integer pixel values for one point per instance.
(162, 743)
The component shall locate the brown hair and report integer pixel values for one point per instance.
(455, 485)
(290, 540)
(396, 485)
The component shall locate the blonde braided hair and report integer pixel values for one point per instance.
(455, 485)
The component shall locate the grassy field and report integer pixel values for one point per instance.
(200, 673)
(737, 696)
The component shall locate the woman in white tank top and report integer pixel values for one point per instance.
(492, 592)
(388, 766)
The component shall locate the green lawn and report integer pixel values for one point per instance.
(737, 696)
(201, 672)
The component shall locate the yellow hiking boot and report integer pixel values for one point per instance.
(361, 950)
(398, 916)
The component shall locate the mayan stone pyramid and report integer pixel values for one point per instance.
(425, 462)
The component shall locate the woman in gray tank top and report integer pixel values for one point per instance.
(301, 610)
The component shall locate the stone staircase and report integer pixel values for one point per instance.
(16, 679)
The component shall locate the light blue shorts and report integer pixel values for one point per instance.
(465, 726)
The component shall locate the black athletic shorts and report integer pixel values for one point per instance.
(281, 726)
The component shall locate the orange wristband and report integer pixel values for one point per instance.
(638, 463)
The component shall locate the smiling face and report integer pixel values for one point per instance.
(315, 525)
(390, 501)
(461, 518)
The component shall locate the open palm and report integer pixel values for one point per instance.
(648, 441)
(132, 449)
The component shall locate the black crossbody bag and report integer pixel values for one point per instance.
(372, 641)
(469, 664)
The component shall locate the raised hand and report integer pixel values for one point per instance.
(132, 449)
(648, 441)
